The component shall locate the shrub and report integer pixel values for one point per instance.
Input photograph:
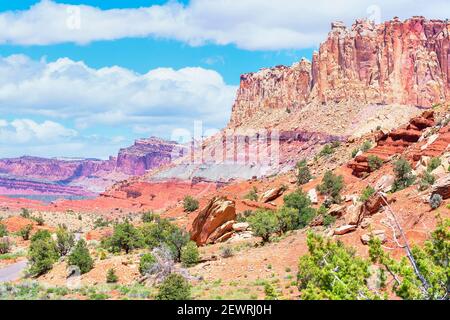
(403, 175)
(42, 253)
(3, 230)
(226, 252)
(303, 173)
(149, 216)
(190, 204)
(331, 186)
(433, 164)
(366, 146)
(328, 220)
(263, 224)
(189, 254)
(242, 217)
(435, 201)
(5, 245)
(300, 201)
(252, 194)
(374, 162)
(125, 237)
(326, 151)
(163, 232)
(174, 287)
(81, 258)
(426, 181)
(367, 193)
(101, 223)
(39, 220)
(25, 232)
(146, 263)
(271, 292)
(25, 213)
(111, 276)
(355, 152)
(64, 240)
(288, 219)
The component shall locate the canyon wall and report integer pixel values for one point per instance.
(405, 63)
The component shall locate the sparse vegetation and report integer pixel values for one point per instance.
(263, 224)
(427, 179)
(226, 252)
(111, 276)
(80, 257)
(403, 175)
(433, 164)
(3, 230)
(367, 193)
(190, 204)
(300, 201)
(65, 240)
(189, 254)
(149, 216)
(146, 263)
(25, 213)
(25, 232)
(303, 173)
(101, 223)
(42, 253)
(252, 194)
(366, 146)
(374, 162)
(435, 201)
(5, 245)
(331, 186)
(174, 287)
(125, 237)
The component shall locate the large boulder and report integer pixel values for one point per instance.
(442, 187)
(271, 194)
(354, 214)
(385, 183)
(344, 229)
(312, 194)
(380, 234)
(218, 212)
(373, 204)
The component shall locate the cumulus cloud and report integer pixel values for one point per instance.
(66, 89)
(248, 24)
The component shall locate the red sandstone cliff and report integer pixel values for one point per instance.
(396, 62)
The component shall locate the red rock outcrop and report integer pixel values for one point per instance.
(393, 143)
(214, 221)
(396, 62)
(279, 87)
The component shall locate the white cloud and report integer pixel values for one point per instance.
(66, 89)
(22, 131)
(249, 24)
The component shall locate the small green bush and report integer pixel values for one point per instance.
(3, 230)
(300, 201)
(327, 150)
(374, 162)
(25, 213)
(433, 164)
(252, 194)
(111, 276)
(189, 254)
(331, 186)
(303, 173)
(426, 181)
(367, 193)
(243, 216)
(125, 237)
(263, 224)
(146, 263)
(174, 287)
(288, 219)
(5, 245)
(271, 292)
(39, 220)
(25, 232)
(190, 204)
(42, 253)
(65, 240)
(328, 220)
(149, 216)
(435, 201)
(403, 175)
(226, 252)
(81, 258)
(366, 146)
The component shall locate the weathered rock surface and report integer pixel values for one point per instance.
(380, 234)
(442, 187)
(271, 194)
(220, 214)
(344, 229)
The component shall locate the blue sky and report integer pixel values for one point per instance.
(84, 78)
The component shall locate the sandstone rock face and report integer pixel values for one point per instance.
(271, 194)
(380, 234)
(442, 187)
(220, 214)
(344, 229)
(147, 154)
(396, 62)
(279, 87)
